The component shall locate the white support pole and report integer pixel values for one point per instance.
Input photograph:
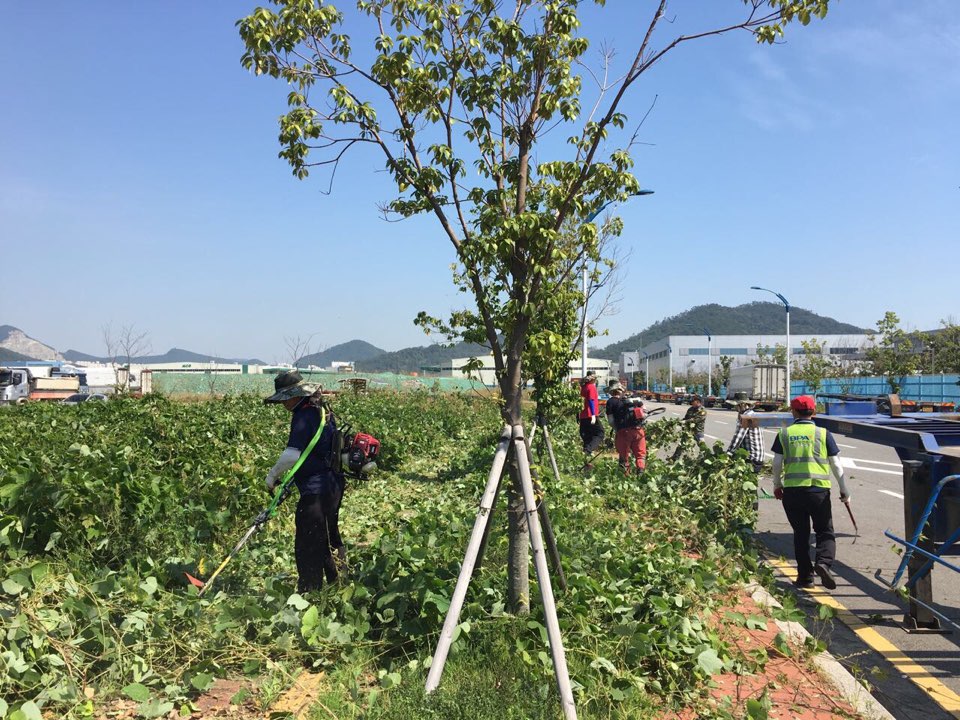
(670, 360)
(466, 570)
(543, 579)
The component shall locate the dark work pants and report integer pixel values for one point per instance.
(806, 506)
(591, 434)
(317, 531)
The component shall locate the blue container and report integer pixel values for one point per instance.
(851, 407)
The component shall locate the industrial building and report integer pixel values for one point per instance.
(604, 370)
(688, 354)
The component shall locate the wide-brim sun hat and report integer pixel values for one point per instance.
(614, 385)
(289, 384)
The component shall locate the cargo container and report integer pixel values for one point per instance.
(764, 385)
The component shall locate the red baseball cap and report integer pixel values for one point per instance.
(803, 404)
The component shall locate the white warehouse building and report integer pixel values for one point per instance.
(689, 353)
(604, 370)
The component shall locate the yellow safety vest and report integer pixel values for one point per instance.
(805, 461)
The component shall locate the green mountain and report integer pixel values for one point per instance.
(356, 351)
(9, 356)
(756, 318)
(170, 356)
(414, 358)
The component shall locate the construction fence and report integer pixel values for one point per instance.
(172, 383)
(935, 388)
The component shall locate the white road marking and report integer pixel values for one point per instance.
(880, 462)
(721, 422)
(847, 462)
(892, 493)
(852, 447)
(712, 437)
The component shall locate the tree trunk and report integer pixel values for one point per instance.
(518, 560)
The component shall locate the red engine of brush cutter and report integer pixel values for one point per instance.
(362, 453)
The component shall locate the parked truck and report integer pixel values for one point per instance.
(763, 385)
(22, 384)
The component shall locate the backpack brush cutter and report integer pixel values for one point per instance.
(643, 422)
(353, 454)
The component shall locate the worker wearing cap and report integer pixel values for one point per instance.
(626, 417)
(804, 457)
(591, 431)
(321, 489)
(696, 416)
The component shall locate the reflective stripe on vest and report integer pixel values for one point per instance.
(805, 461)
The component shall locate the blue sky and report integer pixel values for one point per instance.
(140, 184)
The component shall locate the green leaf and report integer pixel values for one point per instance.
(297, 601)
(137, 692)
(27, 711)
(202, 681)
(155, 708)
(709, 662)
(756, 710)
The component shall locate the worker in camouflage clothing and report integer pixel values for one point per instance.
(696, 417)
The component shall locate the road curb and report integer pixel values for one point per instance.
(847, 685)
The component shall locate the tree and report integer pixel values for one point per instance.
(122, 346)
(814, 365)
(723, 374)
(893, 353)
(457, 97)
(766, 356)
(942, 348)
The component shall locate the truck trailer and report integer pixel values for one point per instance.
(763, 385)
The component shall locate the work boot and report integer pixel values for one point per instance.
(805, 583)
(826, 577)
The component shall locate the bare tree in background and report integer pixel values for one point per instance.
(123, 345)
(299, 347)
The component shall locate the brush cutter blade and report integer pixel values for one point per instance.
(196, 582)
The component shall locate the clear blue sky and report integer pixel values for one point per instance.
(139, 181)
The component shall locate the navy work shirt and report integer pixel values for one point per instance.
(314, 477)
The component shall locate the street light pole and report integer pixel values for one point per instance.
(583, 349)
(670, 362)
(709, 367)
(786, 306)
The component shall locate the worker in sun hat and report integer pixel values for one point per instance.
(804, 456)
(591, 430)
(626, 417)
(696, 416)
(321, 489)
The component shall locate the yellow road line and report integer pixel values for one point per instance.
(938, 692)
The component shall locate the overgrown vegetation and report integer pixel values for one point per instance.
(105, 506)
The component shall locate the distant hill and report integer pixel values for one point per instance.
(413, 358)
(756, 318)
(8, 356)
(15, 340)
(355, 350)
(173, 355)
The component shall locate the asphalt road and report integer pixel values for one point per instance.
(875, 481)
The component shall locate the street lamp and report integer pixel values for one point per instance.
(709, 367)
(583, 351)
(670, 359)
(646, 373)
(786, 305)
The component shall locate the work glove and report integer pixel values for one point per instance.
(271, 482)
(593, 419)
(778, 493)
